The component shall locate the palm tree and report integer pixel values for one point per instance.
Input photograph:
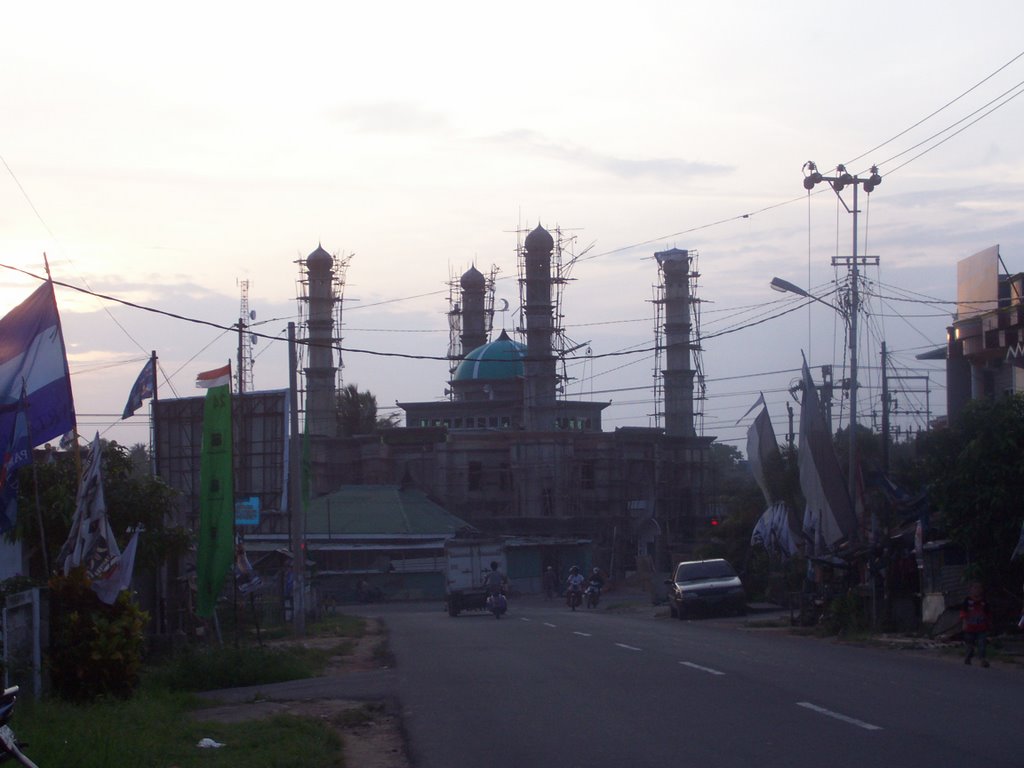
(357, 412)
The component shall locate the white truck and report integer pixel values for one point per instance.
(467, 561)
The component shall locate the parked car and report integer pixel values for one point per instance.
(705, 586)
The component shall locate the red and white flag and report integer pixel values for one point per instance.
(218, 377)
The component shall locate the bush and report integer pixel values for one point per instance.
(95, 649)
(844, 615)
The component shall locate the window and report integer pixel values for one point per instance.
(587, 475)
(475, 475)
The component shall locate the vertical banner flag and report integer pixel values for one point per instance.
(144, 387)
(215, 555)
(16, 453)
(91, 542)
(821, 480)
(32, 356)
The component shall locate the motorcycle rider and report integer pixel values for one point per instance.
(495, 582)
(574, 584)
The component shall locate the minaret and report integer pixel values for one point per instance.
(321, 405)
(474, 318)
(541, 380)
(678, 373)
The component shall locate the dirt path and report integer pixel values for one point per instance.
(371, 733)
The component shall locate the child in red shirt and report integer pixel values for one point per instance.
(976, 618)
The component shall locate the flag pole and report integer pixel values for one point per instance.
(35, 478)
(67, 375)
(154, 422)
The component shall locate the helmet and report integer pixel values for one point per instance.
(596, 569)
(574, 569)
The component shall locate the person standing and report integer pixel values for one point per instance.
(976, 618)
(550, 583)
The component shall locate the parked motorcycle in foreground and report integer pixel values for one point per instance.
(9, 746)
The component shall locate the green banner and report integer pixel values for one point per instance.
(216, 501)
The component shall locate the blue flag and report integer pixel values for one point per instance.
(33, 360)
(144, 387)
(15, 454)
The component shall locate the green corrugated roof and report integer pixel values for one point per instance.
(379, 510)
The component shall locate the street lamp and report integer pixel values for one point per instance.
(784, 286)
(813, 177)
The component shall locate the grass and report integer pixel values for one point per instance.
(155, 728)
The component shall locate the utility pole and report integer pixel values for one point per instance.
(885, 410)
(812, 177)
(295, 503)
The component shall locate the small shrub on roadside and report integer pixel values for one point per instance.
(844, 615)
(95, 649)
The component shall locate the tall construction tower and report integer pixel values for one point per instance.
(470, 313)
(321, 291)
(677, 307)
(539, 406)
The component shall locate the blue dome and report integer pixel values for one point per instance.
(498, 359)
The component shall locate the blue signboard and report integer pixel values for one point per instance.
(247, 511)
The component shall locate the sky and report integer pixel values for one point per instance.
(163, 156)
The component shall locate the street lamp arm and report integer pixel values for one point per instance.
(784, 286)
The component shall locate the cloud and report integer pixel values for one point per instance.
(662, 168)
(390, 117)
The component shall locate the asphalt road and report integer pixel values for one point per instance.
(548, 687)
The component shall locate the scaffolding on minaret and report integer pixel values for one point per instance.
(693, 343)
(457, 315)
(320, 291)
(563, 259)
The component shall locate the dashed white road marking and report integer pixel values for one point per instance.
(549, 624)
(582, 634)
(628, 647)
(837, 716)
(525, 618)
(709, 670)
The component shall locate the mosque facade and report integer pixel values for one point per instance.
(508, 455)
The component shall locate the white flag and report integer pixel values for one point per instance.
(91, 543)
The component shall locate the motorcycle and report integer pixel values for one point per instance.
(592, 594)
(9, 745)
(574, 597)
(497, 604)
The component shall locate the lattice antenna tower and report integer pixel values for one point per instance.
(338, 271)
(245, 355)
